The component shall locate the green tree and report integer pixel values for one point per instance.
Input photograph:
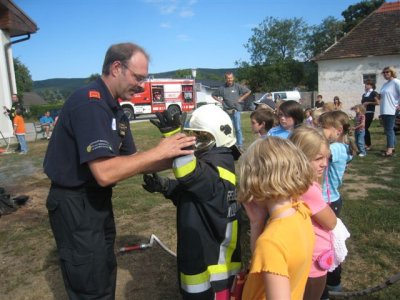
(322, 36)
(23, 78)
(92, 77)
(277, 40)
(357, 12)
(51, 95)
(183, 73)
(282, 75)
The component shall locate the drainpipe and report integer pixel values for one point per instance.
(19, 41)
(10, 63)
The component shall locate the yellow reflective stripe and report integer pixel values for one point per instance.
(227, 175)
(226, 268)
(232, 244)
(195, 279)
(185, 169)
(201, 278)
(167, 134)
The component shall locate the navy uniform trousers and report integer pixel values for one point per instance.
(83, 225)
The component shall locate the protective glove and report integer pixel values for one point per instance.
(167, 124)
(155, 183)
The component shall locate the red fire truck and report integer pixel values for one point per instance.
(174, 95)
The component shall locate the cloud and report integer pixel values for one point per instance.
(186, 13)
(165, 25)
(165, 7)
(183, 37)
(169, 7)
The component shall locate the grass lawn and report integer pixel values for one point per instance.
(28, 262)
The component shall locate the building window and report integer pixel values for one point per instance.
(371, 77)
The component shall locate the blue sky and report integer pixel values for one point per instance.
(74, 35)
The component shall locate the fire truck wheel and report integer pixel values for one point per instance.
(174, 109)
(129, 113)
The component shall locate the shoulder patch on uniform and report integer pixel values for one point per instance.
(94, 95)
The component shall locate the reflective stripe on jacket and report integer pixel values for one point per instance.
(204, 192)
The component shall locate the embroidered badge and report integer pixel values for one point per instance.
(122, 128)
(94, 95)
(99, 144)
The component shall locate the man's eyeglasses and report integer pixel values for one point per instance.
(138, 78)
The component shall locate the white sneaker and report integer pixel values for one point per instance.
(361, 155)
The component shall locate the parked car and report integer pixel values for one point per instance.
(286, 95)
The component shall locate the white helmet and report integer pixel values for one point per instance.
(213, 120)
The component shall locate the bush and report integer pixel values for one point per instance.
(36, 111)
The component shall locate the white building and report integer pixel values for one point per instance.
(360, 55)
(15, 27)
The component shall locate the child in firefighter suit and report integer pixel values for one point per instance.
(204, 192)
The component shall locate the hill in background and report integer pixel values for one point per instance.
(61, 88)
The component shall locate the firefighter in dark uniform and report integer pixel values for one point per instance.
(16, 104)
(204, 192)
(91, 149)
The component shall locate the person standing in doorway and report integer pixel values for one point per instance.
(233, 96)
(90, 151)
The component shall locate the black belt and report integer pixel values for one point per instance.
(79, 188)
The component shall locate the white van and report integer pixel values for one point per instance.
(204, 98)
(286, 95)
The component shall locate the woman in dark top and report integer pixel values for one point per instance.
(319, 103)
(369, 99)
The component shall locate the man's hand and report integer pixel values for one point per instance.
(155, 183)
(176, 145)
(167, 124)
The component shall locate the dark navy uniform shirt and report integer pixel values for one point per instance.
(91, 125)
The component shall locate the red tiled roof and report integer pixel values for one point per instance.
(378, 34)
(389, 7)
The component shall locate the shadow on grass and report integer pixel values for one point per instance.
(153, 271)
(53, 275)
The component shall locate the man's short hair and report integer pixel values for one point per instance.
(121, 52)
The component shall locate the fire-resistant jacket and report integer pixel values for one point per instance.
(204, 192)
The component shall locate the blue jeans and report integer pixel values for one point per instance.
(388, 125)
(238, 129)
(22, 142)
(360, 140)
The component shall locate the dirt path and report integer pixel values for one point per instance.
(29, 265)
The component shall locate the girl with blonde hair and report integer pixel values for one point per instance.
(336, 128)
(274, 174)
(316, 148)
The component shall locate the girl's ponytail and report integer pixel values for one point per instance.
(343, 119)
